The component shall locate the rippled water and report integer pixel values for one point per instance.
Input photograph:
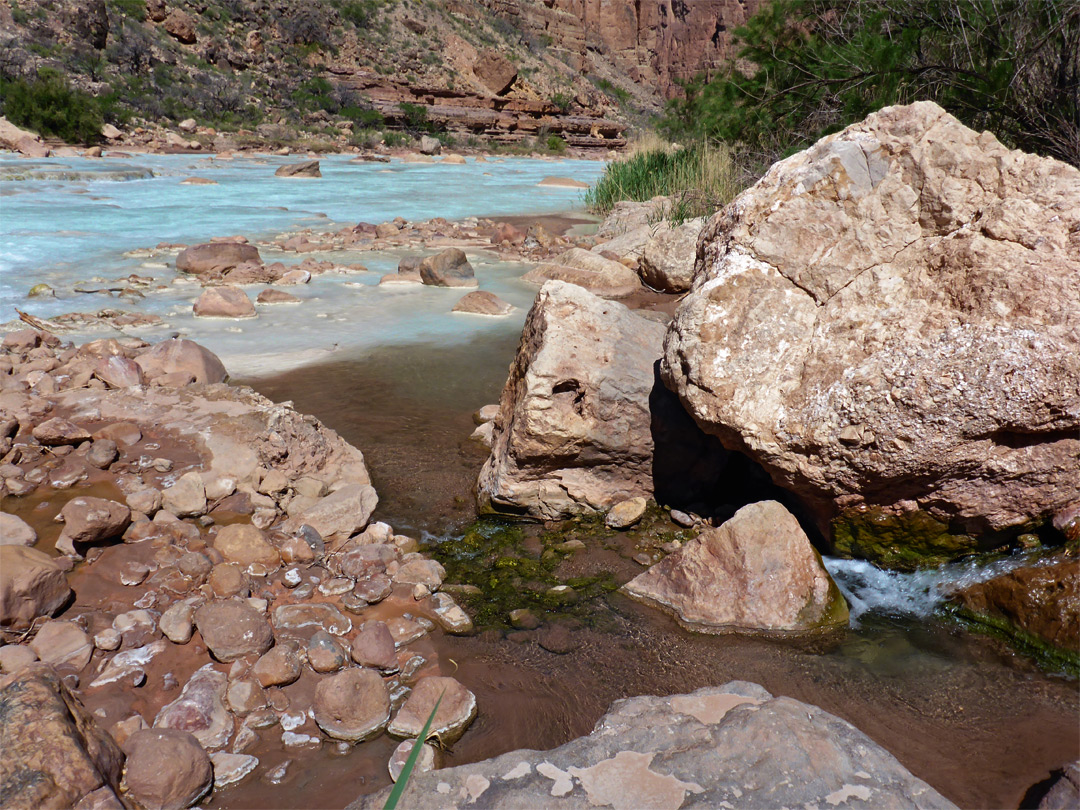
(60, 232)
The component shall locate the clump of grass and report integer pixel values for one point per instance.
(699, 178)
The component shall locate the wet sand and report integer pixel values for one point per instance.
(960, 711)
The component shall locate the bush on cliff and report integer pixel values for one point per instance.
(811, 67)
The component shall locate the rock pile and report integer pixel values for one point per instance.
(233, 529)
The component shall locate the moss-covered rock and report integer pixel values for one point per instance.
(903, 542)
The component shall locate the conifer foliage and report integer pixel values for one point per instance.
(810, 67)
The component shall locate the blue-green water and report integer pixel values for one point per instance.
(63, 231)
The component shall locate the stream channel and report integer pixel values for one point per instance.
(399, 377)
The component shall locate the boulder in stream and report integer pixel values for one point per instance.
(889, 323)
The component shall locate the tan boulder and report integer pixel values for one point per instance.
(352, 705)
(181, 26)
(31, 585)
(180, 356)
(276, 297)
(889, 323)
(482, 302)
(596, 274)
(307, 168)
(224, 302)
(215, 257)
(583, 422)
(21, 140)
(450, 268)
(667, 259)
(495, 72)
(245, 544)
(167, 769)
(14, 531)
(757, 571)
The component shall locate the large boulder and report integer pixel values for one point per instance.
(177, 355)
(233, 629)
(352, 705)
(757, 571)
(889, 322)
(667, 259)
(583, 422)
(54, 751)
(726, 746)
(592, 271)
(495, 72)
(21, 140)
(224, 302)
(450, 268)
(307, 168)
(181, 26)
(340, 514)
(215, 257)
(31, 585)
(90, 520)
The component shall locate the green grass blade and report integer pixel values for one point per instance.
(410, 763)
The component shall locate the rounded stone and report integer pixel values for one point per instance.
(352, 705)
(166, 769)
(233, 629)
(457, 709)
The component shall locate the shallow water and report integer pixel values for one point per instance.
(62, 232)
(960, 711)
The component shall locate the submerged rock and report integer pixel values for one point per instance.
(481, 302)
(457, 709)
(224, 302)
(1041, 600)
(307, 168)
(757, 571)
(734, 745)
(584, 423)
(352, 705)
(890, 318)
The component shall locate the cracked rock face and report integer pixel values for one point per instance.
(728, 746)
(583, 422)
(890, 320)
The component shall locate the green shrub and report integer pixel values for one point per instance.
(555, 144)
(47, 105)
(562, 101)
(360, 12)
(136, 9)
(18, 15)
(366, 117)
(1010, 66)
(396, 139)
(700, 179)
(415, 118)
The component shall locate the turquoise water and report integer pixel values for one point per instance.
(78, 228)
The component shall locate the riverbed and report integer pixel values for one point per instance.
(399, 376)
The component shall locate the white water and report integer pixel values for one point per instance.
(61, 232)
(918, 594)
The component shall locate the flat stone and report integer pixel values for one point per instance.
(62, 643)
(200, 709)
(626, 513)
(56, 432)
(425, 762)
(457, 709)
(728, 746)
(231, 768)
(296, 617)
(128, 663)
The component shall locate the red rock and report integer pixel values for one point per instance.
(167, 769)
(181, 26)
(215, 257)
(180, 356)
(31, 585)
(224, 302)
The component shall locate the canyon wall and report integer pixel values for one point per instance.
(656, 42)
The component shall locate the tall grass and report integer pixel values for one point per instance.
(699, 178)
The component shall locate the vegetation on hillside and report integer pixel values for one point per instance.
(47, 105)
(811, 67)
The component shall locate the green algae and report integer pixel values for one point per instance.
(904, 542)
(491, 555)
